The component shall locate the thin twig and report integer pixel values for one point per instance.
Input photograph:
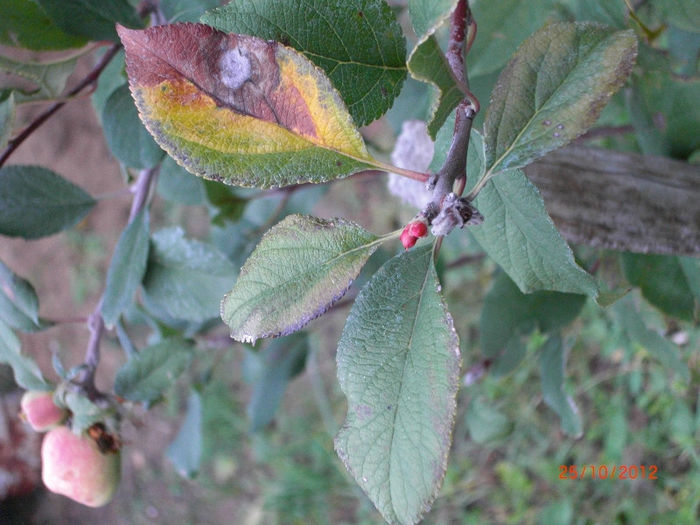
(606, 131)
(141, 190)
(455, 48)
(96, 326)
(91, 78)
(465, 259)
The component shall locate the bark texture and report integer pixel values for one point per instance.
(621, 201)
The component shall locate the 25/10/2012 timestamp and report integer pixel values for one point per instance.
(608, 472)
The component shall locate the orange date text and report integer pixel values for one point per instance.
(608, 472)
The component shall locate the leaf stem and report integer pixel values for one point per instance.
(415, 175)
(90, 79)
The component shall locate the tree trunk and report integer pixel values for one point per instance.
(621, 201)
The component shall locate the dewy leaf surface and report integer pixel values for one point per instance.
(358, 43)
(298, 270)
(240, 109)
(398, 364)
(186, 278)
(553, 90)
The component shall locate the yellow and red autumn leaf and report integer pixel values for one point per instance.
(240, 109)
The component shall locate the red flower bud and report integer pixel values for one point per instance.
(407, 239)
(417, 229)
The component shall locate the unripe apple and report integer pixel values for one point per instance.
(75, 466)
(39, 410)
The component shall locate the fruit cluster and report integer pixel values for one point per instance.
(84, 467)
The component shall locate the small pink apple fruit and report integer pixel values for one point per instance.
(39, 410)
(76, 467)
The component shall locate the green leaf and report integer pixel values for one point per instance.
(358, 43)
(616, 435)
(503, 26)
(300, 268)
(665, 114)
(427, 63)
(25, 24)
(92, 19)
(240, 109)
(560, 512)
(684, 50)
(229, 206)
(126, 137)
(518, 234)
(48, 77)
(428, 15)
(609, 13)
(126, 269)
(682, 13)
(84, 412)
(7, 116)
(508, 312)
(663, 282)
(280, 361)
(485, 423)
(508, 359)
(19, 305)
(146, 376)
(691, 271)
(186, 10)
(238, 240)
(659, 347)
(36, 202)
(398, 364)
(185, 451)
(177, 185)
(186, 278)
(552, 366)
(112, 77)
(26, 371)
(553, 90)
